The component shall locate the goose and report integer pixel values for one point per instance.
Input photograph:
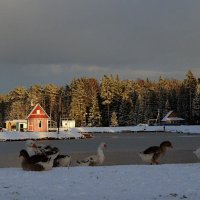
(38, 149)
(152, 154)
(32, 148)
(47, 150)
(197, 153)
(62, 161)
(36, 162)
(93, 160)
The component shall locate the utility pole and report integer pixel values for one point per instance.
(190, 105)
(158, 117)
(59, 112)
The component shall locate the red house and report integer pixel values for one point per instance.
(38, 120)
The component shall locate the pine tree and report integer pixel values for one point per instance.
(18, 103)
(2, 110)
(172, 99)
(139, 110)
(36, 95)
(196, 105)
(151, 106)
(114, 121)
(65, 102)
(94, 113)
(167, 107)
(78, 104)
(190, 84)
(182, 103)
(51, 93)
(162, 97)
(117, 94)
(107, 95)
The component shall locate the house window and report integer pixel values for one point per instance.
(40, 124)
(38, 112)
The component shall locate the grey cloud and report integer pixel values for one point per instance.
(149, 35)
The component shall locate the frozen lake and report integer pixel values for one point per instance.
(122, 148)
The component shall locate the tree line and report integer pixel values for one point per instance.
(108, 102)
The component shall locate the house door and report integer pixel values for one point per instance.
(21, 128)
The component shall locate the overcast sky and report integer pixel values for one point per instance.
(55, 41)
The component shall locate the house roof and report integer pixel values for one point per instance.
(171, 116)
(16, 120)
(36, 106)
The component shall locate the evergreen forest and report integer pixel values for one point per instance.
(108, 102)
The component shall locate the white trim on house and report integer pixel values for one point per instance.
(35, 108)
(168, 118)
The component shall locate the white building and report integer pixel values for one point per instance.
(68, 124)
(172, 118)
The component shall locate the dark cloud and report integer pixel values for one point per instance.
(49, 37)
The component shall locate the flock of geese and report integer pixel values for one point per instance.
(40, 157)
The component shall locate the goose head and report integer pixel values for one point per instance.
(23, 153)
(166, 144)
(31, 143)
(103, 145)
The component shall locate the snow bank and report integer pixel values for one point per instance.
(4, 136)
(143, 128)
(75, 133)
(138, 182)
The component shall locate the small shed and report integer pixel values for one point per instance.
(172, 118)
(38, 119)
(16, 125)
(68, 124)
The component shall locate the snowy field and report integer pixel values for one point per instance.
(15, 135)
(125, 182)
(75, 133)
(129, 182)
(142, 128)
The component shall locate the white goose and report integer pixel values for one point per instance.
(32, 148)
(93, 160)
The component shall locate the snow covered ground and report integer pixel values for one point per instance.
(128, 182)
(143, 128)
(15, 135)
(76, 132)
(125, 182)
